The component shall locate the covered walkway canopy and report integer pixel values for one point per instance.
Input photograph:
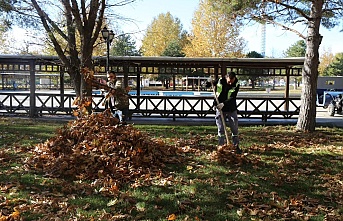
(136, 66)
(158, 65)
(35, 67)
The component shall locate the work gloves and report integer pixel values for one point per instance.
(220, 106)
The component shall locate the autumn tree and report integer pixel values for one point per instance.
(326, 59)
(286, 14)
(214, 34)
(160, 33)
(335, 68)
(298, 49)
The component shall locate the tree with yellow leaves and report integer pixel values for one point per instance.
(214, 34)
(163, 30)
(325, 60)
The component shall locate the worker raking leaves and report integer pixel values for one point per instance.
(116, 97)
(118, 102)
(226, 89)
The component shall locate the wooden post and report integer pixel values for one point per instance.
(286, 106)
(62, 87)
(33, 111)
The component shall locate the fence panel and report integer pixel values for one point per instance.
(153, 106)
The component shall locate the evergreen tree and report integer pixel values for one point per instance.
(253, 73)
(336, 67)
(298, 49)
(254, 54)
(124, 45)
(173, 49)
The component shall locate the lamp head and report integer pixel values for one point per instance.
(105, 33)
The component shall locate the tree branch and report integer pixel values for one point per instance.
(332, 9)
(285, 27)
(94, 7)
(75, 11)
(44, 18)
(99, 21)
(122, 3)
(301, 12)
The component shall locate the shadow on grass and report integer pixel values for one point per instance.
(295, 174)
(286, 173)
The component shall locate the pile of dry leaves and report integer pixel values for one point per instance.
(98, 147)
(226, 154)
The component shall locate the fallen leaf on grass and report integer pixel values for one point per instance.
(172, 217)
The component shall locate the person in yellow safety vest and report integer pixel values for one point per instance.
(226, 91)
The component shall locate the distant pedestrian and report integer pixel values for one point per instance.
(226, 89)
(15, 86)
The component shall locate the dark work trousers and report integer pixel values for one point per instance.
(233, 124)
(110, 103)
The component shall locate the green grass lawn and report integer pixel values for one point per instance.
(282, 175)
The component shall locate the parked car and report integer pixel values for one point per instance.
(335, 106)
(325, 99)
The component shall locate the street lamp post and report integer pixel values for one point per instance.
(108, 36)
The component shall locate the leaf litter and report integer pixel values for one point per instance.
(97, 147)
(101, 155)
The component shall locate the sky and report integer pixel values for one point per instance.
(142, 12)
(277, 41)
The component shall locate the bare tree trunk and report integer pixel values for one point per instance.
(307, 116)
(76, 78)
(87, 88)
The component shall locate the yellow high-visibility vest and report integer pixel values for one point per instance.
(220, 89)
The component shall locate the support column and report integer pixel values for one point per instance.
(2, 81)
(126, 75)
(223, 70)
(286, 106)
(62, 87)
(174, 86)
(33, 111)
(138, 102)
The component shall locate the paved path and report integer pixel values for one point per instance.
(322, 119)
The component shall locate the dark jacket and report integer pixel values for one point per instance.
(227, 95)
